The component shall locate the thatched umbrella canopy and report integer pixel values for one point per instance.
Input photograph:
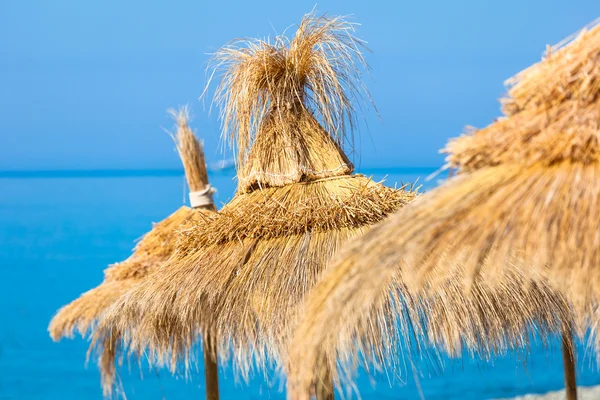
(287, 106)
(521, 217)
(151, 251)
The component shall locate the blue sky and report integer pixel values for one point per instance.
(85, 84)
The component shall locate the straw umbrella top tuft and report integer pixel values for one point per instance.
(287, 107)
(498, 252)
(152, 250)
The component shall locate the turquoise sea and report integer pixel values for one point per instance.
(60, 229)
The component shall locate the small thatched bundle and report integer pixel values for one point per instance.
(286, 106)
(489, 254)
(152, 250)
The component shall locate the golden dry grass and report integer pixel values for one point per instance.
(552, 112)
(191, 151)
(419, 263)
(80, 314)
(551, 81)
(249, 266)
(550, 140)
(271, 93)
(241, 275)
(152, 250)
(501, 251)
(283, 154)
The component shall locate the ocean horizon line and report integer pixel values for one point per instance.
(167, 172)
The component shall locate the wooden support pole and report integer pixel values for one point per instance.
(211, 369)
(568, 354)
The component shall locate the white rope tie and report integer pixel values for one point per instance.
(203, 197)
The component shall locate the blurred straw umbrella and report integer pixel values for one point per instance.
(153, 249)
(286, 106)
(524, 205)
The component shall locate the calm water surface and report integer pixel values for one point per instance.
(58, 232)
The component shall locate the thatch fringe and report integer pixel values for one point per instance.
(567, 133)
(249, 266)
(80, 315)
(454, 260)
(546, 217)
(569, 70)
(151, 251)
(154, 248)
(552, 112)
(351, 201)
(277, 94)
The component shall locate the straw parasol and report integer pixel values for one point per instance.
(286, 106)
(524, 204)
(152, 250)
